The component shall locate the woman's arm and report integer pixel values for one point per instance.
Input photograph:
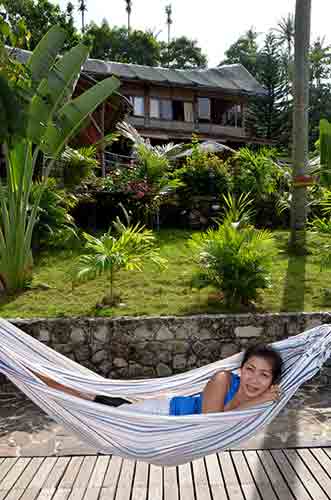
(214, 393)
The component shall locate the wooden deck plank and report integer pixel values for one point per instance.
(5, 466)
(327, 451)
(23, 482)
(61, 494)
(99, 472)
(185, 482)
(322, 458)
(276, 479)
(291, 478)
(14, 472)
(109, 486)
(231, 481)
(124, 485)
(85, 472)
(33, 490)
(215, 478)
(304, 474)
(92, 493)
(246, 479)
(140, 483)
(70, 473)
(57, 473)
(260, 477)
(316, 469)
(155, 487)
(170, 483)
(201, 480)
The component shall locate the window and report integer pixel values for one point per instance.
(204, 108)
(188, 112)
(138, 106)
(161, 108)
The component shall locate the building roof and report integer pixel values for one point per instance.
(232, 79)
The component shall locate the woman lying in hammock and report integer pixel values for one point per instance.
(260, 369)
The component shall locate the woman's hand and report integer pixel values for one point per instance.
(270, 395)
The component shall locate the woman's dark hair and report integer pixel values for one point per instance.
(266, 352)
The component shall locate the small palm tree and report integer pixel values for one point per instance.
(127, 249)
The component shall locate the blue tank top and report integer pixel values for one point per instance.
(192, 405)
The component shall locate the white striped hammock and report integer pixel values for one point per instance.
(162, 440)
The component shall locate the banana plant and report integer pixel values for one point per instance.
(52, 117)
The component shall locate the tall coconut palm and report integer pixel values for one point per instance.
(300, 122)
(82, 8)
(285, 32)
(168, 11)
(129, 10)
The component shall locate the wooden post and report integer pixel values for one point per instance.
(102, 149)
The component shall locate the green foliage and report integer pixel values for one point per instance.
(38, 16)
(256, 172)
(268, 117)
(55, 227)
(325, 152)
(244, 51)
(182, 53)
(238, 211)
(202, 174)
(78, 164)
(116, 44)
(52, 119)
(234, 260)
(122, 247)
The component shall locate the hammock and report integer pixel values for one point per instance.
(161, 440)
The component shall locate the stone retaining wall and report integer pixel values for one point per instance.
(161, 346)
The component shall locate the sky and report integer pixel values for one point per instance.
(215, 24)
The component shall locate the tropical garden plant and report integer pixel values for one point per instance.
(55, 226)
(203, 174)
(235, 258)
(123, 246)
(39, 116)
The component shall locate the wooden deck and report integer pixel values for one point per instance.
(238, 475)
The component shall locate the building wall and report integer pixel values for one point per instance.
(180, 129)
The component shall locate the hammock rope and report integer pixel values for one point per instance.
(157, 439)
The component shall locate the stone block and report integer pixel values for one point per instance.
(163, 370)
(179, 362)
(44, 335)
(101, 333)
(228, 350)
(99, 356)
(164, 334)
(248, 331)
(77, 336)
(82, 353)
(120, 363)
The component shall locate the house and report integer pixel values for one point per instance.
(172, 104)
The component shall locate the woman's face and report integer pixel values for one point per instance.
(256, 376)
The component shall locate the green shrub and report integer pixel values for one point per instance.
(55, 226)
(235, 258)
(203, 174)
(256, 172)
(78, 164)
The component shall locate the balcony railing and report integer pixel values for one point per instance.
(188, 127)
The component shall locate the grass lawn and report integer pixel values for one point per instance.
(297, 285)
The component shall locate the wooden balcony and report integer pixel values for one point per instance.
(164, 129)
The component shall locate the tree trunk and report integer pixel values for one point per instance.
(300, 123)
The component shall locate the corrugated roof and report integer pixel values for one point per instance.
(232, 79)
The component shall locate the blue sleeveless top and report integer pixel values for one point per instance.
(192, 405)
